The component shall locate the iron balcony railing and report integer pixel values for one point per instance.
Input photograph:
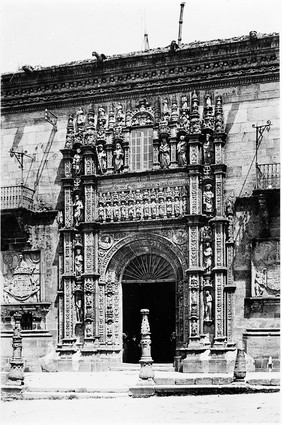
(13, 197)
(268, 176)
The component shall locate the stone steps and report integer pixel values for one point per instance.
(160, 367)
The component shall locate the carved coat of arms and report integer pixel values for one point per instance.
(21, 277)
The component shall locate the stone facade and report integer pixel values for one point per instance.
(144, 175)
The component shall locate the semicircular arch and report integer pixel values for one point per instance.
(124, 251)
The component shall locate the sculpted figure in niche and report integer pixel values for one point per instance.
(78, 310)
(123, 211)
(138, 210)
(101, 213)
(162, 209)
(153, 208)
(78, 262)
(116, 211)
(169, 206)
(208, 199)
(76, 163)
(146, 209)
(207, 149)
(108, 211)
(181, 151)
(131, 209)
(207, 257)
(102, 158)
(78, 208)
(208, 306)
(164, 153)
(118, 158)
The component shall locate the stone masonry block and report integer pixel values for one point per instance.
(195, 366)
(185, 381)
(164, 381)
(203, 381)
(217, 366)
(221, 380)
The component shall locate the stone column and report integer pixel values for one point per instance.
(146, 361)
(16, 376)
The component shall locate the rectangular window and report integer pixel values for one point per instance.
(141, 150)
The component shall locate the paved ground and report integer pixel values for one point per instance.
(224, 409)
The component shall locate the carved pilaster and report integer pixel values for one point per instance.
(156, 144)
(194, 173)
(194, 308)
(173, 146)
(67, 160)
(89, 162)
(68, 204)
(125, 145)
(109, 151)
(219, 173)
(219, 271)
(69, 308)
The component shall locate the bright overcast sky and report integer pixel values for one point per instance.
(50, 32)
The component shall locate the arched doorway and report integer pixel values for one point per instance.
(149, 282)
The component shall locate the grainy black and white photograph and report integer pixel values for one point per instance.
(140, 212)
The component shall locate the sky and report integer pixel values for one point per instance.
(52, 32)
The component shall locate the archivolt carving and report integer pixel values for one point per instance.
(128, 248)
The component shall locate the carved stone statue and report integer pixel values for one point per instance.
(78, 208)
(118, 158)
(208, 307)
(207, 149)
(78, 310)
(76, 163)
(181, 151)
(78, 262)
(207, 257)
(164, 153)
(208, 199)
(102, 158)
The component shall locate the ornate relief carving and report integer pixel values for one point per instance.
(167, 202)
(144, 115)
(68, 208)
(194, 247)
(219, 304)
(21, 273)
(266, 269)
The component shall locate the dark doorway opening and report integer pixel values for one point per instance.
(159, 298)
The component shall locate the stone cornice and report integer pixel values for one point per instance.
(201, 66)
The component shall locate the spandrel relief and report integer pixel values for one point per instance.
(21, 277)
